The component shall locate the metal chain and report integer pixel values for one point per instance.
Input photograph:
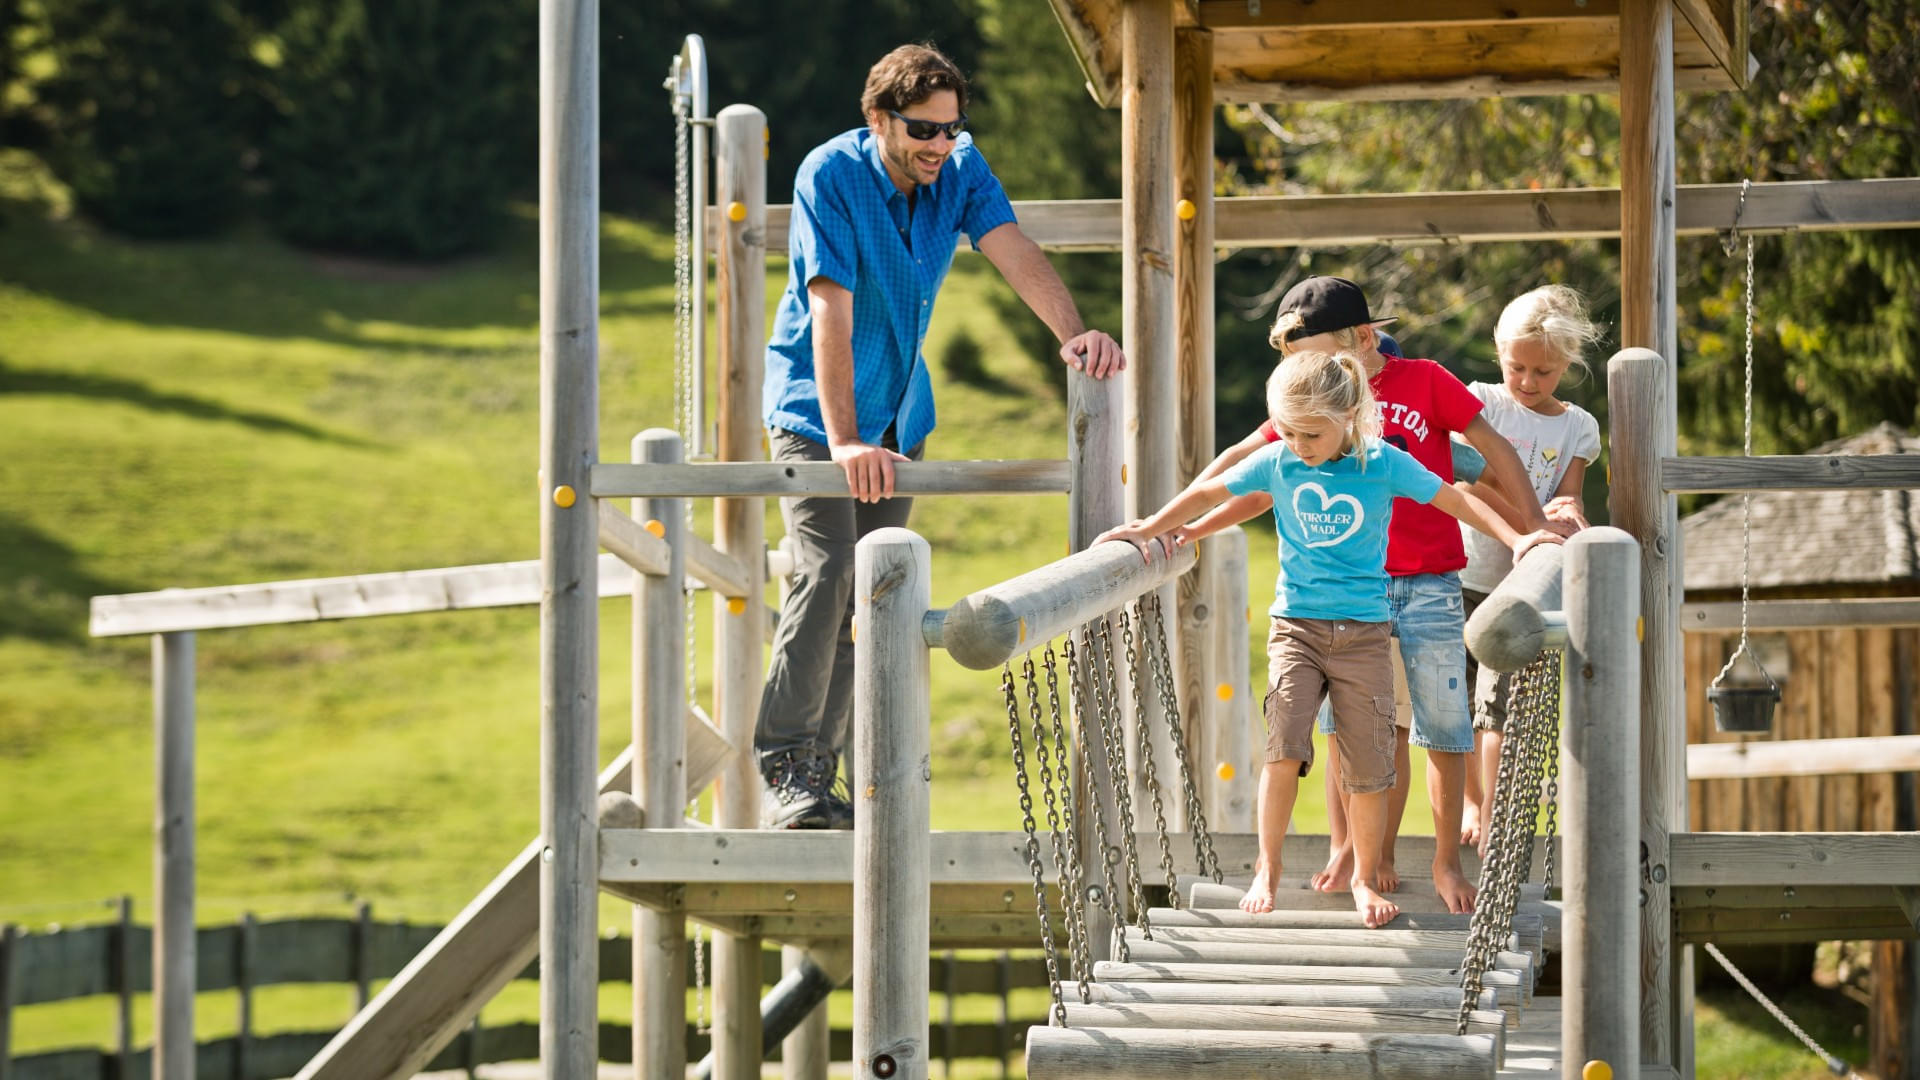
(1040, 758)
(1150, 772)
(1089, 672)
(1746, 447)
(1033, 843)
(1837, 1066)
(1203, 853)
(1550, 788)
(1117, 774)
(1073, 897)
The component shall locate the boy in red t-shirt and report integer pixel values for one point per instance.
(1421, 405)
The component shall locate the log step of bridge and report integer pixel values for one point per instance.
(1157, 1054)
(1163, 951)
(1321, 995)
(1514, 987)
(1444, 1021)
(1528, 927)
(1415, 894)
(1387, 937)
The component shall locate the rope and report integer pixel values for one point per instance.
(1837, 1066)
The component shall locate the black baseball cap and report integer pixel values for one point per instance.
(1326, 304)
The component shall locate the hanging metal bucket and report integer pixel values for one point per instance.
(1743, 710)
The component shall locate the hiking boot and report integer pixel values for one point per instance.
(791, 798)
(833, 790)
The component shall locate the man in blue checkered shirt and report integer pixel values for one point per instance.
(876, 215)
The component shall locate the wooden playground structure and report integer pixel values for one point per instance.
(1638, 886)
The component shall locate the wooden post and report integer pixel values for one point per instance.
(122, 987)
(1003, 1027)
(892, 715)
(739, 664)
(1094, 454)
(1640, 410)
(243, 983)
(1229, 798)
(569, 537)
(9, 934)
(806, 1050)
(1197, 666)
(1147, 302)
(175, 950)
(1600, 783)
(362, 954)
(660, 769)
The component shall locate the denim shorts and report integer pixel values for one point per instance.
(1430, 625)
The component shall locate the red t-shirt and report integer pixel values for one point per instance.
(1421, 403)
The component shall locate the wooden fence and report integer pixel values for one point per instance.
(115, 959)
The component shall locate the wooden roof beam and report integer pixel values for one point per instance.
(1374, 14)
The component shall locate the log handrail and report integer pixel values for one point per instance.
(1520, 618)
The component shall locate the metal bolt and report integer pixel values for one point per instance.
(1643, 898)
(884, 1066)
(792, 895)
(1659, 873)
(1007, 897)
(1791, 892)
(1095, 894)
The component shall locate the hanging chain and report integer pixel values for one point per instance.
(1073, 897)
(1117, 774)
(1033, 840)
(1550, 788)
(1532, 713)
(1149, 771)
(1746, 447)
(1047, 776)
(1089, 672)
(1203, 853)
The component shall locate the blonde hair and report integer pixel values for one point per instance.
(1318, 385)
(1553, 315)
(1347, 336)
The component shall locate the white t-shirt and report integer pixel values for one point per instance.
(1546, 444)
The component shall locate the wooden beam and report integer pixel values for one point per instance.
(1804, 757)
(823, 478)
(1796, 859)
(1851, 613)
(632, 543)
(1372, 15)
(175, 941)
(752, 855)
(1716, 37)
(1790, 472)
(1466, 217)
(1089, 27)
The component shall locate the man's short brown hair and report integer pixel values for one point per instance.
(908, 76)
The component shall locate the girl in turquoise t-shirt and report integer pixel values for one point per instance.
(1330, 482)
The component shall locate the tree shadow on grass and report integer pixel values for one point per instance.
(15, 380)
(43, 588)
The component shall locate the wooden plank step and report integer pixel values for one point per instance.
(1289, 1018)
(1157, 1054)
(1163, 951)
(1525, 925)
(1416, 894)
(1388, 937)
(1322, 995)
(1513, 987)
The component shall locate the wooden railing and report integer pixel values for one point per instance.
(114, 960)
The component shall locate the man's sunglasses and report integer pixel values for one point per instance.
(925, 130)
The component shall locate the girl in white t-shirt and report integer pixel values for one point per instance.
(1540, 336)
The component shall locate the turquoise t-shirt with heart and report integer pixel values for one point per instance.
(1333, 525)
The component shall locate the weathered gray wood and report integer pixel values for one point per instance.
(1640, 397)
(1512, 985)
(1790, 472)
(892, 787)
(1229, 773)
(1416, 895)
(805, 1052)
(1151, 1054)
(755, 856)
(660, 779)
(9, 934)
(1856, 613)
(1467, 217)
(1094, 455)
(1599, 795)
(243, 963)
(1333, 927)
(1452, 941)
(1287, 995)
(748, 479)
(983, 629)
(1780, 897)
(1716, 859)
(1804, 757)
(739, 525)
(632, 543)
(361, 959)
(1170, 951)
(1510, 628)
(569, 535)
(124, 945)
(1282, 1018)
(174, 941)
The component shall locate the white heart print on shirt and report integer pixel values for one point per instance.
(1327, 526)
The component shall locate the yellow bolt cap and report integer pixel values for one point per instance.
(1224, 771)
(1224, 692)
(1185, 209)
(736, 211)
(737, 605)
(563, 496)
(1596, 1070)
(653, 526)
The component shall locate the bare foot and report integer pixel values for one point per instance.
(1389, 877)
(1470, 828)
(1259, 896)
(1454, 889)
(1375, 910)
(1339, 869)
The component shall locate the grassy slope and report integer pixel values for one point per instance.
(228, 411)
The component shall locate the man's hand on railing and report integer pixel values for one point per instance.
(869, 468)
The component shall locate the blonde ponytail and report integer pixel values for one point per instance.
(1316, 385)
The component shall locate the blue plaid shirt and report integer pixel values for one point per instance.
(852, 227)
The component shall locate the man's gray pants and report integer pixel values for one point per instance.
(807, 704)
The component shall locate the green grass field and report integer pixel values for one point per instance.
(228, 411)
